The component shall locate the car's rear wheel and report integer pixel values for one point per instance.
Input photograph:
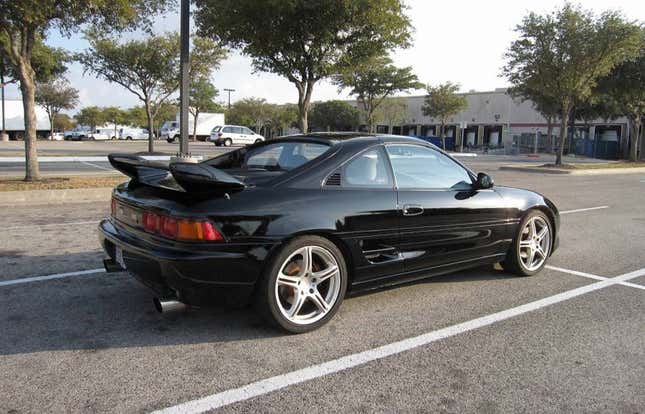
(304, 285)
(257, 141)
(531, 246)
(228, 142)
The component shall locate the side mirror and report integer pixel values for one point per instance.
(484, 181)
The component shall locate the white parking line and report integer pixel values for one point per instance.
(580, 210)
(50, 277)
(98, 166)
(278, 382)
(69, 223)
(590, 276)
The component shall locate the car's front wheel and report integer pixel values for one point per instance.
(304, 285)
(228, 142)
(532, 245)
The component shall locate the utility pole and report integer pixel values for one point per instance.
(3, 134)
(229, 96)
(184, 30)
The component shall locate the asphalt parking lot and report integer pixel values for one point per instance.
(570, 339)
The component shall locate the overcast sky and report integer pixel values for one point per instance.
(457, 40)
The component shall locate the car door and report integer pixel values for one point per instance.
(362, 196)
(249, 138)
(444, 219)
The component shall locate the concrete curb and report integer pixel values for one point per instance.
(87, 159)
(35, 197)
(597, 171)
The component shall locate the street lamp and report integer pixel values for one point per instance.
(229, 96)
(184, 31)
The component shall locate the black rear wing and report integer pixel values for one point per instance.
(192, 177)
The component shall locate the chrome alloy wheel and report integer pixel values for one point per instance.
(308, 285)
(535, 243)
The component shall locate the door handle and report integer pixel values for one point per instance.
(412, 210)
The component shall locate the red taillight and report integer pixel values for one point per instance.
(168, 227)
(150, 222)
(210, 232)
(113, 207)
(179, 229)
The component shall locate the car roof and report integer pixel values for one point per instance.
(355, 137)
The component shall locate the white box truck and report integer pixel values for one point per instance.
(205, 123)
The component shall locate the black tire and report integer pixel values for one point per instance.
(228, 142)
(266, 302)
(257, 141)
(128, 138)
(170, 140)
(513, 262)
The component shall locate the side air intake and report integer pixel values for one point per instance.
(333, 179)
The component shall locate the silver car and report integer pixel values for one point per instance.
(228, 135)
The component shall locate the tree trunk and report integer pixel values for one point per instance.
(564, 120)
(443, 135)
(305, 88)
(195, 125)
(549, 136)
(151, 137)
(634, 141)
(28, 90)
(51, 124)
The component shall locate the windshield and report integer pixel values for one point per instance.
(279, 156)
(216, 129)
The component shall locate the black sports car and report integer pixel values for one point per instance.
(295, 223)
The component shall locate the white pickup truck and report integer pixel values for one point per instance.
(205, 124)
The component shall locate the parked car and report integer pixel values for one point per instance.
(56, 136)
(133, 133)
(228, 135)
(205, 123)
(295, 223)
(87, 135)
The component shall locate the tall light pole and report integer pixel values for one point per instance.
(184, 31)
(229, 96)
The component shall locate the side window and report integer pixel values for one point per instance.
(421, 167)
(368, 169)
(238, 130)
(227, 129)
(247, 131)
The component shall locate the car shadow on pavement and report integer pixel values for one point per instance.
(113, 310)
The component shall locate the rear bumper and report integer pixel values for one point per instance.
(197, 276)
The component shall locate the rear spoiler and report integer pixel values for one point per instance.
(191, 177)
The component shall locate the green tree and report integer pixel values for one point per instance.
(64, 122)
(55, 96)
(375, 80)
(115, 115)
(201, 99)
(148, 68)
(91, 116)
(562, 55)
(251, 112)
(443, 102)
(623, 94)
(392, 111)
(281, 118)
(334, 116)
(303, 40)
(22, 24)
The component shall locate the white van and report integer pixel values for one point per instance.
(133, 133)
(228, 135)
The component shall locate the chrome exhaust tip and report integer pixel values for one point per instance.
(112, 266)
(165, 305)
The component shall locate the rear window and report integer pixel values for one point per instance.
(279, 156)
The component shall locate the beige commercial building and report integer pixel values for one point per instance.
(496, 122)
